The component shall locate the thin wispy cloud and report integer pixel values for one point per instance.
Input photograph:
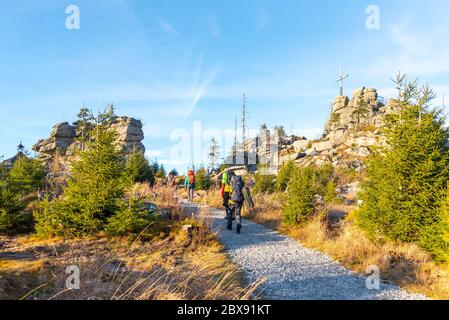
(420, 52)
(161, 73)
(165, 26)
(154, 153)
(411, 42)
(262, 19)
(214, 27)
(200, 88)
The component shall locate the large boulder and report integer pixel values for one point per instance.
(63, 130)
(128, 129)
(358, 152)
(130, 134)
(301, 145)
(371, 95)
(339, 103)
(322, 146)
(362, 141)
(63, 138)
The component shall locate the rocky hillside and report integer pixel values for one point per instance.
(63, 138)
(350, 133)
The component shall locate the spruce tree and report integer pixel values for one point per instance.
(138, 168)
(406, 180)
(94, 189)
(284, 175)
(98, 195)
(298, 202)
(202, 179)
(26, 176)
(304, 184)
(96, 178)
(361, 110)
(161, 172)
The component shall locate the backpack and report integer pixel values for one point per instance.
(225, 178)
(191, 177)
(237, 186)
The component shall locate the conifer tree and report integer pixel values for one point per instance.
(26, 176)
(161, 172)
(202, 179)
(93, 192)
(96, 180)
(361, 110)
(304, 184)
(298, 203)
(284, 175)
(406, 180)
(138, 168)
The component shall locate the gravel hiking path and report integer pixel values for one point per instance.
(291, 271)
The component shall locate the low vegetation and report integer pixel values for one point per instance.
(16, 193)
(100, 222)
(406, 187)
(401, 221)
(177, 266)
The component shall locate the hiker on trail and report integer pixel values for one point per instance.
(171, 180)
(226, 190)
(236, 202)
(190, 184)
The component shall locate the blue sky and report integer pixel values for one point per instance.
(174, 62)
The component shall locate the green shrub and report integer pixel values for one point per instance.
(435, 236)
(284, 175)
(298, 203)
(202, 179)
(406, 181)
(96, 185)
(8, 199)
(304, 184)
(161, 173)
(138, 168)
(62, 218)
(131, 218)
(26, 176)
(264, 182)
(330, 196)
(15, 222)
(50, 219)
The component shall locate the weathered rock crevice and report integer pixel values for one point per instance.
(63, 140)
(353, 129)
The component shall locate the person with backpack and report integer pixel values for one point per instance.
(190, 184)
(236, 202)
(226, 190)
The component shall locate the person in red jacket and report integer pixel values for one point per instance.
(190, 184)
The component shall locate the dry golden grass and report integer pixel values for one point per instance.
(180, 265)
(177, 267)
(211, 198)
(402, 264)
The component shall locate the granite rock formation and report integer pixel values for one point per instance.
(63, 138)
(353, 129)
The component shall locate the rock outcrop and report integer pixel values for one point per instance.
(130, 133)
(63, 138)
(353, 129)
(350, 134)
